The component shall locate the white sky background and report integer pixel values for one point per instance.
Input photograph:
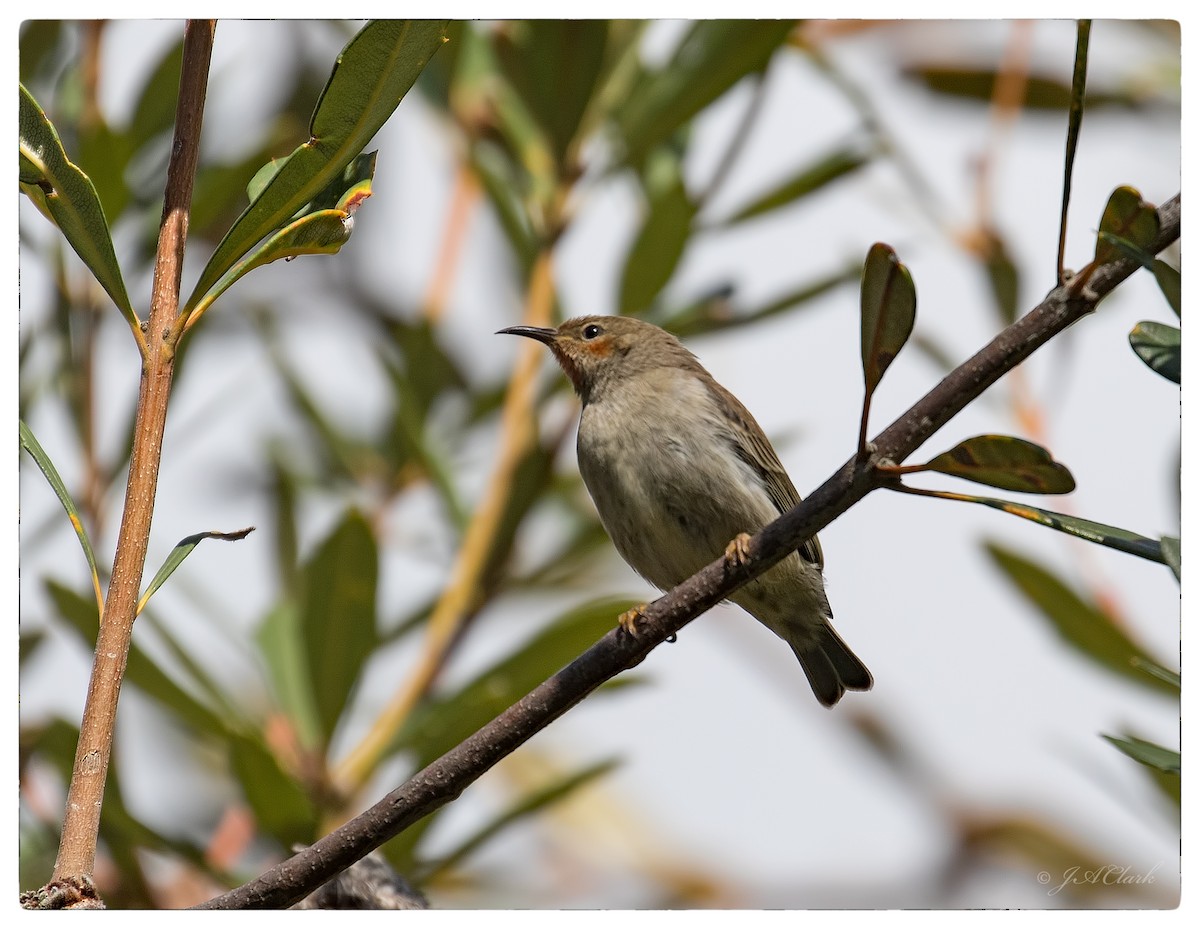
(727, 756)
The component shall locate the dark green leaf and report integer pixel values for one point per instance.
(810, 179)
(1006, 462)
(154, 111)
(1163, 674)
(69, 198)
(1159, 346)
(889, 310)
(180, 552)
(1042, 93)
(1170, 283)
(711, 58)
(1147, 753)
(553, 65)
(371, 76)
(1127, 216)
(1171, 552)
(1084, 626)
(660, 242)
(281, 807)
(337, 615)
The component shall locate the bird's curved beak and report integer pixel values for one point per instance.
(546, 336)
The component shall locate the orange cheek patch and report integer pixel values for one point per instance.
(599, 348)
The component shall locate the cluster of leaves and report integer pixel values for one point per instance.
(531, 133)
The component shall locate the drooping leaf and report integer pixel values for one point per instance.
(712, 57)
(979, 84)
(337, 615)
(889, 311)
(1082, 625)
(30, 443)
(1171, 552)
(1149, 754)
(66, 195)
(1127, 216)
(660, 242)
(1109, 536)
(1006, 462)
(372, 74)
(1159, 346)
(808, 180)
(180, 552)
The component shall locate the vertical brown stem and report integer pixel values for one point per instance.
(81, 824)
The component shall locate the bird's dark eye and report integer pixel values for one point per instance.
(591, 330)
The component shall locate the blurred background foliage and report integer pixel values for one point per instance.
(279, 746)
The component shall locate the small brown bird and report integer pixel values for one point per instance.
(680, 472)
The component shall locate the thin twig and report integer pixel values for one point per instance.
(447, 777)
(1074, 119)
(81, 825)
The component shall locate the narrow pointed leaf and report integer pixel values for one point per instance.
(337, 615)
(1113, 537)
(809, 180)
(30, 443)
(1082, 625)
(1127, 216)
(1159, 346)
(711, 58)
(889, 311)
(67, 196)
(372, 74)
(1006, 462)
(1171, 553)
(282, 647)
(1149, 754)
(180, 552)
(281, 806)
(660, 242)
(1163, 674)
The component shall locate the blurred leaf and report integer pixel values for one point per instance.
(495, 173)
(661, 240)
(1159, 346)
(1109, 536)
(443, 722)
(1126, 216)
(1168, 278)
(553, 65)
(711, 58)
(140, 670)
(283, 649)
(337, 615)
(810, 179)
(154, 109)
(889, 310)
(1004, 277)
(30, 443)
(371, 76)
(39, 45)
(28, 644)
(103, 155)
(531, 805)
(1006, 462)
(281, 807)
(1082, 625)
(1147, 753)
(68, 198)
(1171, 552)
(180, 552)
(979, 84)
(1163, 674)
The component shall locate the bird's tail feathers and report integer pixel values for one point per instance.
(830, 666)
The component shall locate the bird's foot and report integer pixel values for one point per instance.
(737, 552)
(628, 620)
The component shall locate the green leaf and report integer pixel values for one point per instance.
(281, 807)
(1147, 753)
(66, 195)
(1006, 462)
(1082, 625)
(553, 65)
(282, 647)
(889, 310)
(1171, 553)
(660, 242)
(30, 443)
(979, 84)
(1004, 277)
(1127, 216)
(1168, 278)
(1109, 536)
(440, 724)
(337, 615)
(808, 180)
(1159, 346)
(711, 58)
(530, 805)
(372, 74)
(180, 552)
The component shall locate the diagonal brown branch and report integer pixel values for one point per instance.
(81, 823)
(446, 778)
